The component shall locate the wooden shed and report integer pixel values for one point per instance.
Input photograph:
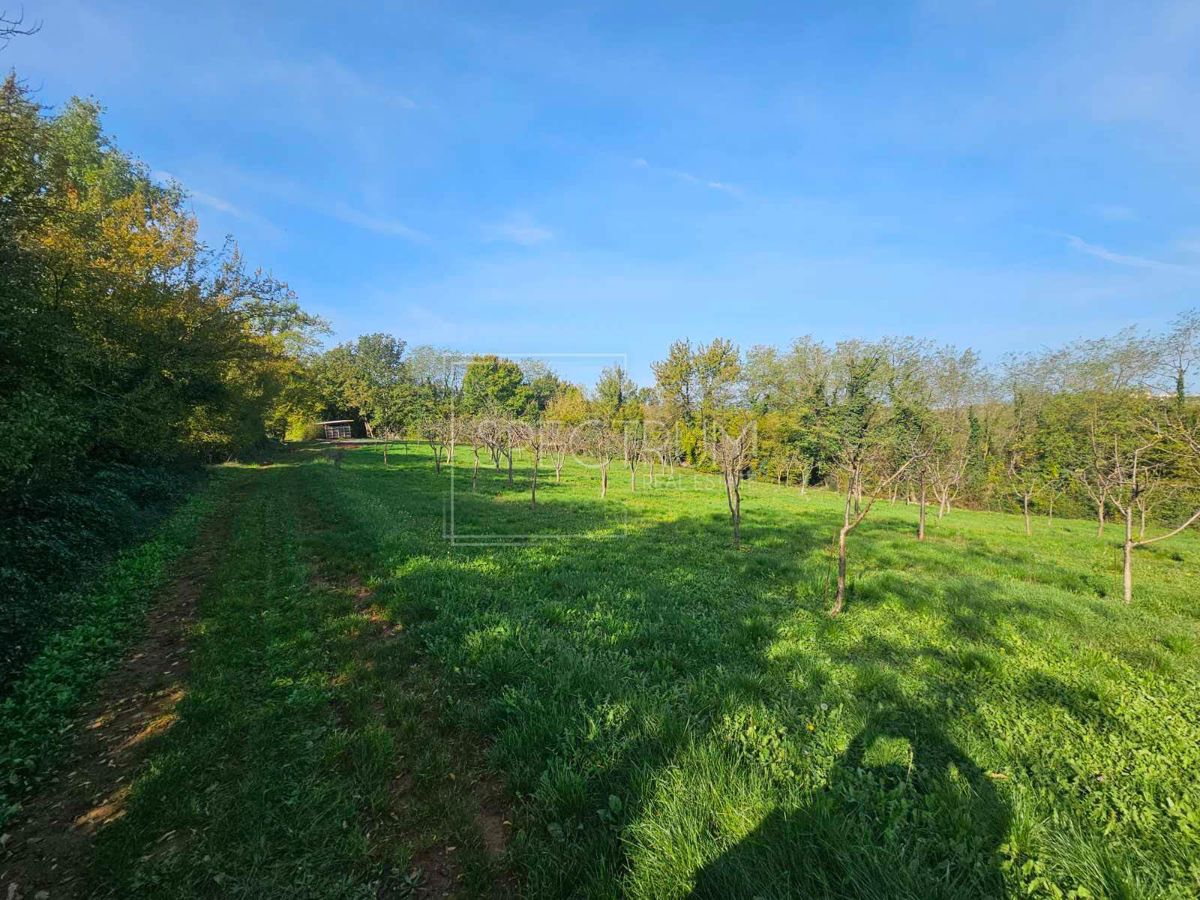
(337, 429)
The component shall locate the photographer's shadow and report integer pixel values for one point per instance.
(905, 814)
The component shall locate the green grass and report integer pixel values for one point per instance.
(671, 717)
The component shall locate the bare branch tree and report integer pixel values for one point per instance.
(535, 439)
(604, 444)
(732, 450)
(634, 442)
(436, 432)
(474, 429)
(14, 26)
(866, 472)
(1126, 471)
(560, 441)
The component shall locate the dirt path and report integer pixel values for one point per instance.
(308, 694)
(47, 853)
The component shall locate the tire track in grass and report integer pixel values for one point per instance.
(244, 797)
(435, 819)
(50, 849)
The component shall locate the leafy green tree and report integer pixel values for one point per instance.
(126, 344)
(493, 384)
(616, 396)
(363, 379)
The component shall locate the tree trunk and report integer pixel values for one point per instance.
(734, 499)
(475, 470)
(1128, 554)
(921, 514)
(1051, 512)
(737, 517)
(1142, 526)
(510, 467)
(533, 482)
(633, 477)
(839, 599)
(1025, 510)
(603, 481)
(1100, 514)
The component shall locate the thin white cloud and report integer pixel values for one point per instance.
(221, 205)
(519, 229)
(1189, 245)
(730, 189)
(384, 225)
(1114, 212)
(1121, 259)
(305, 197)
(329, 78)
(216, 203)
(688, 177)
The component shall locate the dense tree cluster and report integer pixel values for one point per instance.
(126, 348)
(125, 338)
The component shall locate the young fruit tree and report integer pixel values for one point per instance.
(491, 435)
(471, 429)
(730, 445)
(1175, 440)
(633, 436)
(604, 444)
(911, 393)
(560, 441)
(873, 450)
(1124, 474)
(436, 432)
(535, 439)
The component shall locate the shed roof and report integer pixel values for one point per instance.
(337, 422)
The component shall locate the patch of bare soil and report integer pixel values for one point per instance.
(47, 853)
(491, 816)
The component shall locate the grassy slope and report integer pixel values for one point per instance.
(676, 716)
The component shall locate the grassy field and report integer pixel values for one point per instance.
(640, 710)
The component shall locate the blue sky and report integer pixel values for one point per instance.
(609, 177)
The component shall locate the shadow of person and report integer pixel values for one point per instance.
(905, 814)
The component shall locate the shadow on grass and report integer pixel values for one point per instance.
(594, 666)
(858, 835)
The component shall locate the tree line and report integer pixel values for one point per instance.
(126, 339)
(1104, 425)
(128, 349)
